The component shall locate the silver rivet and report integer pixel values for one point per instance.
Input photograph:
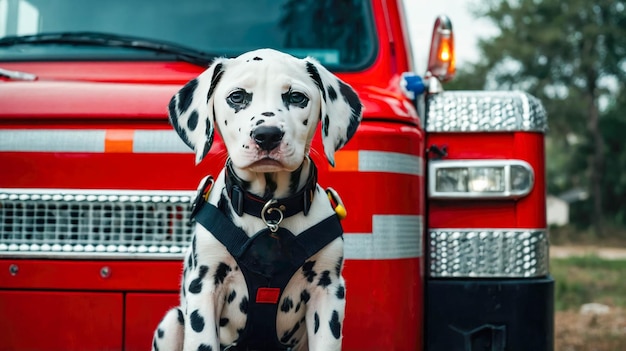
(105, 272)
(13, 269)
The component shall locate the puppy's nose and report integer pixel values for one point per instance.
(267, 138)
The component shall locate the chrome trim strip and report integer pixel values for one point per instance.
(488, 253)
(435, 165)
(485, 111)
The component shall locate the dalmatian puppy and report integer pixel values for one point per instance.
(266, 105)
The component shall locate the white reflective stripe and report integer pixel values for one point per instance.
(390, 162)
(159, 141)
(81, 140)
(52, 140)
(392, 237)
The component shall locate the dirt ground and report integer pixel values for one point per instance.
(575, 331)
(600, 331)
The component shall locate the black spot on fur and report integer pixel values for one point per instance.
(181, 318)
(332, 93)
(305, 122)
(335, 325)
(185, 95)
(204, 347)
(287, 305)
(223, 321)
(259, 122)
(340, 143)
(192, 122)
(160, 333)
(221, 272)
(308, 272)
(225, 122)
(154, 345)
(316, 326)
(243, 306)
(338, 266)
(173, 117)
(298, 307)
(289, 334)
(231, 296)
(315, 75)
(325, 125)
(256, 58)
(196, 285)
(217, 75)
(324, 279)
(305, 296)
(268, 114)
(193, 257)
(205, 151)
(197, 321)
(353, 100)
(341, 292)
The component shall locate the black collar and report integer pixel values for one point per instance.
(245, 202)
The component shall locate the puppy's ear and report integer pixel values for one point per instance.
(191, 111)
(341, 110)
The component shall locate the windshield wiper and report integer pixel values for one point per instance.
(182, 53)
(17, 75)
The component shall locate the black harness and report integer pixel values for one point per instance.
(267, 260)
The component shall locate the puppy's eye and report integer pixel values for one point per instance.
(297, 98)
(237, 96)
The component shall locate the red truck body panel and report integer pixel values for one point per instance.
(95, 126)
(512, 213)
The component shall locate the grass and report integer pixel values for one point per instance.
(585, 279)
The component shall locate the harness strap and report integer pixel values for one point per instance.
(269, 274)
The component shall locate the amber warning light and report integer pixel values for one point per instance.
(441, 62)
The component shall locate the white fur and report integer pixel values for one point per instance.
(267, 76)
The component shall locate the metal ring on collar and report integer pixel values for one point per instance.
(273, 225)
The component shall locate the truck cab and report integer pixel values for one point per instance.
(446, 245)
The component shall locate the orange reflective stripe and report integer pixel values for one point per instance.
(119, 140)
(377, 161)
(346, 161)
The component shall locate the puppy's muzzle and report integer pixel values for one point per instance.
(268, 138)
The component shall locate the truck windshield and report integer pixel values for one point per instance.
(338, 33)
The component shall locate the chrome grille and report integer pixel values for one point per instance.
(97, 223)
(488, 253)
(485, 111)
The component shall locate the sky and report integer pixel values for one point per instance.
(467, 30)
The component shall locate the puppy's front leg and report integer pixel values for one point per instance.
(325, 310)
(200, 317)
(324, 317)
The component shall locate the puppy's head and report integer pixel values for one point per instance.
(266, 106)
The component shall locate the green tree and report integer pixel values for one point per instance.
(569, 54)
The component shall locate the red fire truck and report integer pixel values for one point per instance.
(446, 240)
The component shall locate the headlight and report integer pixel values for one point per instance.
(480, 179)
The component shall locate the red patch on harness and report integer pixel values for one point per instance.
(267, 295)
